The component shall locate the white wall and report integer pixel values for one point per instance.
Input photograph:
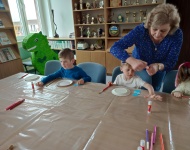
(63, 16)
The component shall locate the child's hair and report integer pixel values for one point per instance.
(125, 64)
(66, 53)
(183, 74)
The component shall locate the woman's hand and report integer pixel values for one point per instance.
(136, 64)
(152, 69)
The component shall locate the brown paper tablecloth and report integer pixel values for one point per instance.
(77, 117)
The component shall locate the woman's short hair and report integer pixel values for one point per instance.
(163, 14)
(66, 53)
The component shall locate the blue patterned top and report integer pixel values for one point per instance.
(75, 73)
(166, 52)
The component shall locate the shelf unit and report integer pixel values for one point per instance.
(108, 15)
(14, 66)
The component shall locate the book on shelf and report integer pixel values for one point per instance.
(8, 54)
(1, 24)
(2, 57)
(4, 40)
(2, 7)
(61, 44)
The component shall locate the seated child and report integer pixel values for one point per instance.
(128, 79)
(182, 81)
(68, 70)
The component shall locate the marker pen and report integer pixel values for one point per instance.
(142, 144)
(154, 139)
(32, 85)
(151, 143)
(162, 142)
(147, 139)
(15, 104)
(149, 106)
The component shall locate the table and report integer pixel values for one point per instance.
(77, 117)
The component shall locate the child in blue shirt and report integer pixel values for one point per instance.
(68, 70)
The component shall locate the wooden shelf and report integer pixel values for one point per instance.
(58, 49)
(91, 38)
(120, 23)
(93, 9)
(95, 24)
(97, 50)
(14, 65)
(113, 38)
(60, 38)
(130, 6)
(80, 16)
(6, 11)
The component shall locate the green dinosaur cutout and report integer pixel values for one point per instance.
(37, 44)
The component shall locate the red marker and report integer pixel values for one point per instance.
(24, 76)
(15, 104)
(110, 84)
(32, 85)
(161, 142)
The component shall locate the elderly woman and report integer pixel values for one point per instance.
(157, 45)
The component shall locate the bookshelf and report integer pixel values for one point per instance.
(11, 65)
(90, 16)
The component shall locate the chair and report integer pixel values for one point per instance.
(116, 71)
(51, 66)
(26, 59)
(169, 81)
(96, 71)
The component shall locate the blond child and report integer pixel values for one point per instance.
(68, 70)
(182, 82)
(128, 79)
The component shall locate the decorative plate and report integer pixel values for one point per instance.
(121, 92)
(64, 83)
(32, 78)
(114, 30)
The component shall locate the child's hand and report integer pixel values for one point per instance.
(109, 83)
(40, 84)
(81, 81)
(177, 94)
(155, 97)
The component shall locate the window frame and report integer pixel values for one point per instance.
(23, 18)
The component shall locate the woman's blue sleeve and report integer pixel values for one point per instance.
(174, 51)
(119, 48)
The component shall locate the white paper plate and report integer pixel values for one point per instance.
(64, 83)
(121, 92)
(31, 78)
